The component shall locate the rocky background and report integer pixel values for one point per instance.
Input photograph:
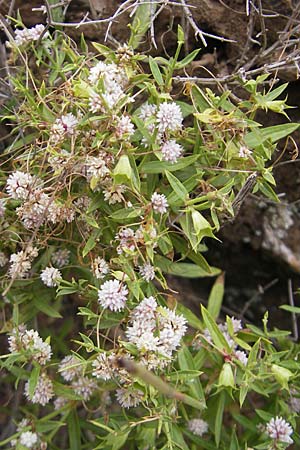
(260, 249)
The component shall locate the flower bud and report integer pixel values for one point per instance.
(226, 377)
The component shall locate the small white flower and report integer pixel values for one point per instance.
(279, 430)
(103, 366)
(169, 117)
(28, 439)
(84, 387)
(64, 125)
(20, 263)
(241, 356)
(95, 103)
(96, 167)
(2, 206)
(61, 257)
(114, 194)
(43, 391)
(147, 271)
(60, 402)
(124, 127)
(171, 151)
(100, 267)
(129, 397)
(244, 152)
(51, 276)
(19, 185)
(70, 367)
(198, 426)
(159, 203)
(29, 34)
(3, 259)
(147, 110)
(113, 295)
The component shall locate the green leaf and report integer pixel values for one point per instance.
(187, 60)
(219, 417)
(155, 71)
(122, 173)
(187, 270)
(293, 309)
(102, 49)
(186, 362)
(141, 23)
(177, 186)
(199, 99)
(217, 336)
(42, 305)
(161, 166)
(128, 213)
(192, 319)
(257, 137)
(234, 443)
(90, 244)
(216, 297)
(33, 380)
(74, 430)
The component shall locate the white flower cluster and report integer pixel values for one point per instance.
(279, 430)
(71, 370)
(244, 152)
(63, 126)
(159, 203)
(20, 263)
(27, 438)
(114, 81)
(51, 276)
(130, 239)
(114, 193)
(38, 207)
(129, 397)
(19, 185)
(84, 387)
(105, 367)
(29, 34)
(3, 259)
(147, 272)
(155, 329)
(124, 127)
(29, 341)
(99, 267)
(113, 295)
(96, 166)
(171, 151)
(223, 327)
(2, 207)
(61, 257)
(169, 117)
(198, 426)
(43, 391)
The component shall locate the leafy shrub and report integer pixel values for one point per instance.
(114, 177)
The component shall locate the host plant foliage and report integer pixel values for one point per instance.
(115, 175)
